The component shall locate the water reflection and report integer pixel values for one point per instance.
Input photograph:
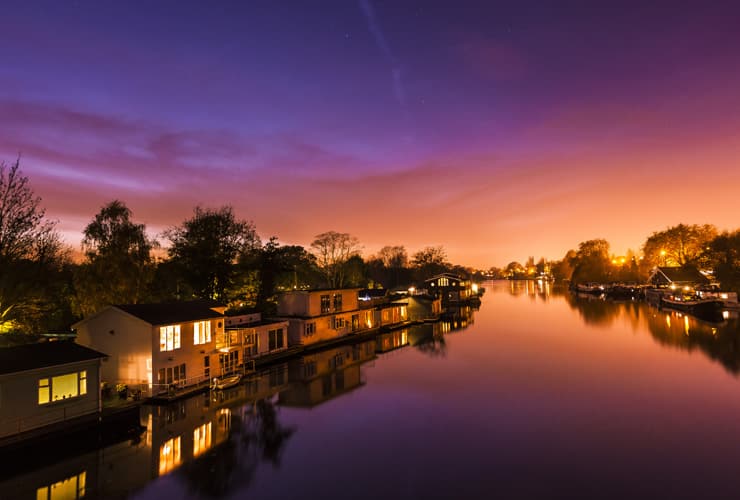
(718, 340)
(215, 442)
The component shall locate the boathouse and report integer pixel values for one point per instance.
(48, 385)
(449, 287)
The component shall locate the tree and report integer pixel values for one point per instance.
(207, 248)
(514, 270)
(332, 251)
(119, 265)
(282, 267)
(32, 256)
(591, 262)
(679, 245)
(724, 253)
(393, 270)
(22, 219)
(430, 261)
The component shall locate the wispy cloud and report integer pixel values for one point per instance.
(380, 40)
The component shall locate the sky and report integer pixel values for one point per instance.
(499, 130)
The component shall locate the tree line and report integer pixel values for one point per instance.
(701, 246)
(213, 254)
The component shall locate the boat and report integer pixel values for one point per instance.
(226, 382)
(707, 308)
(590, 288)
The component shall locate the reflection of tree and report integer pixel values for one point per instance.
(255, 435)
(719, 342)
(594, 311)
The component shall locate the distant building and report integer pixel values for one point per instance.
(47, 384)
(678, 277)
(450, 287)
(321, 315)
(157, 345)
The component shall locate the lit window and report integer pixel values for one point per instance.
(169, 455)
(43, 391)
(201, 439)
(169, 337)
(65, 386)
(201, 332)
(83, 383)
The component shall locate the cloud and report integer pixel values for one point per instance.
(373, 25)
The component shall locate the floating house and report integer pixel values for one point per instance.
(253, 336)
(48, 386)
(156, 346)
(678, 277)
(320, 315)
(316, 316)
(450, 288)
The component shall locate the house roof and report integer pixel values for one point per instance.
(173, 312)
(44, 354)
(683, 274)
(444, 275)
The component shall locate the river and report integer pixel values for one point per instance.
(538, 394)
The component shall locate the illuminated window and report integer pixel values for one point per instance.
(201, 439)
(201, 332)
(444, 282)
(325, 304)
(64, 386)
(71, 488)
(43, 391)
(169, 337)
(169, 455)
(83, 383)
(337, 302)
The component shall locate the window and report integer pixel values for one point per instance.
(338, 323)
(61, 387)
(337, 301)
(44, 391)
(444, 282)
(169, 338)
(201, 332)
(325, 304)
(275, 339)
(310, 329)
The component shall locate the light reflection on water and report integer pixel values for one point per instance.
(537, 394)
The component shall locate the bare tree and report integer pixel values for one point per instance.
(31, 253)
(332, 251)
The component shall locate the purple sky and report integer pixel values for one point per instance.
(497, 129)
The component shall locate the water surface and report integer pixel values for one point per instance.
(539, 394)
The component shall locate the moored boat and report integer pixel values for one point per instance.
(226, 382)
(708, 308)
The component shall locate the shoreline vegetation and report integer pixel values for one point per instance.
(216, 255)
